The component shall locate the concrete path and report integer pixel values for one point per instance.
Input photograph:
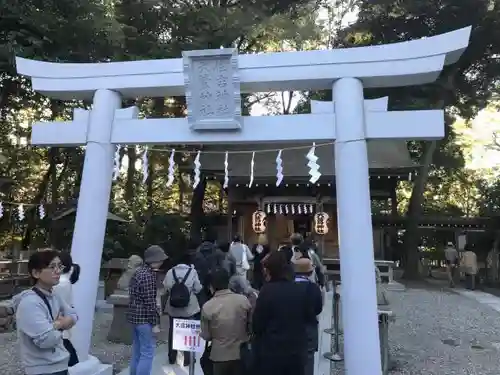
(325, 340)
(481, 297)
(162, 367)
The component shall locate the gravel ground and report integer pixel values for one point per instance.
(438, 332)
(107, 352)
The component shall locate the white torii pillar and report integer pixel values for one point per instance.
(359, 304)
(354, 211)
(90, 223)
(399, 64)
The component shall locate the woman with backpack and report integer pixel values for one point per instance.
(69, 276)
(182, 284)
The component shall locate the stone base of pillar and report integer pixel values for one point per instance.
(101, 303)
(103, 306)
(394, 286)
(92, 366)
(120, 330)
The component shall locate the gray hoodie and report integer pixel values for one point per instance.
(41, 346)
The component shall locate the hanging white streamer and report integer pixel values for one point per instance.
(293, 209)
(311, 208)
(41, 211)
(275, 209)
(1, 210)
(116, 167)
(281, 209)
(20, 212)
(145, 165)
(286, 209)
(226, 171)
(313, 165)
(197, 166)
(279, 168)
(252, 164)
(171, 169)
(299, 209)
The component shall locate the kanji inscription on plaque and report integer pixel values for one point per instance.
(212, 89)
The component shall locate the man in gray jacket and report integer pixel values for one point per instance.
(41, 318)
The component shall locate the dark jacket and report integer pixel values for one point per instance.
(283, 313)
(312, 333)
(258, 275)
(288, 251)
(207, 258)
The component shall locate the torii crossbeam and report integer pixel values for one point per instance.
(212, 82)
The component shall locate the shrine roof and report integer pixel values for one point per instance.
(383, 155)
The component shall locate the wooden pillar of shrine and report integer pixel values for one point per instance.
(319, 208)
(229, 218)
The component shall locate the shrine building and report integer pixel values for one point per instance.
(297, 205)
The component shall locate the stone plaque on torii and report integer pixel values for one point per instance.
(208, 79)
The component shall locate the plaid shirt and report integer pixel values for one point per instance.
(142, 292)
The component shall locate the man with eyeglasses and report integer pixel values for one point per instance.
(41, 318)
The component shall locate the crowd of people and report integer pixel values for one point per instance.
(465, 261)
(258, 308)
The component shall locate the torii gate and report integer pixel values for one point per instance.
(212, 81)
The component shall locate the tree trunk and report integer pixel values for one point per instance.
(54, 193)
(49, 177)
(157, 112)
(411, 237)
(149, 187)
(32, 213)
(7, 89)
(130, 184)
(220, 201)
(78, 182)
(182, 190)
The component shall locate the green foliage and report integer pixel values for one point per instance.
(93, 30)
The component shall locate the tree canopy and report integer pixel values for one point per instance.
(116, 30)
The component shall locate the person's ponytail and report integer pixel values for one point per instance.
(75, 274)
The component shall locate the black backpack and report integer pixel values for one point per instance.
(180, 294)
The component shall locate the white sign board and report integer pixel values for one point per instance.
(462, 241)
(186, 336)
